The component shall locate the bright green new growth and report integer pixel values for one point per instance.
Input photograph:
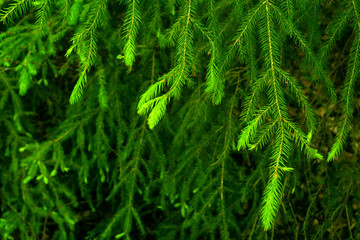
(132, 22)
(257, 134)
(179, 75)
(85, 42)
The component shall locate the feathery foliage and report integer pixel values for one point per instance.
(347, 94)
(131, 26)
(179, 119)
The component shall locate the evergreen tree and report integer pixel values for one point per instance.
(174, 119)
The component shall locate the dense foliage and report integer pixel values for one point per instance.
(179, 119)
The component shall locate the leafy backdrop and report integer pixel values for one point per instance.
(179, 119)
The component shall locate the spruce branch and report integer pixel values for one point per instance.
(215, 85)
(272, 194)
(334, 31)
(276, 79)
(347, 92)
(65, 10)
(293, 32)
(131, 26)
(42, 16)
(85, 41)
(243, 32)
(212, 77)
(15, 10)
(178, 76)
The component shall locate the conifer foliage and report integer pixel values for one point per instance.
(193, 119)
